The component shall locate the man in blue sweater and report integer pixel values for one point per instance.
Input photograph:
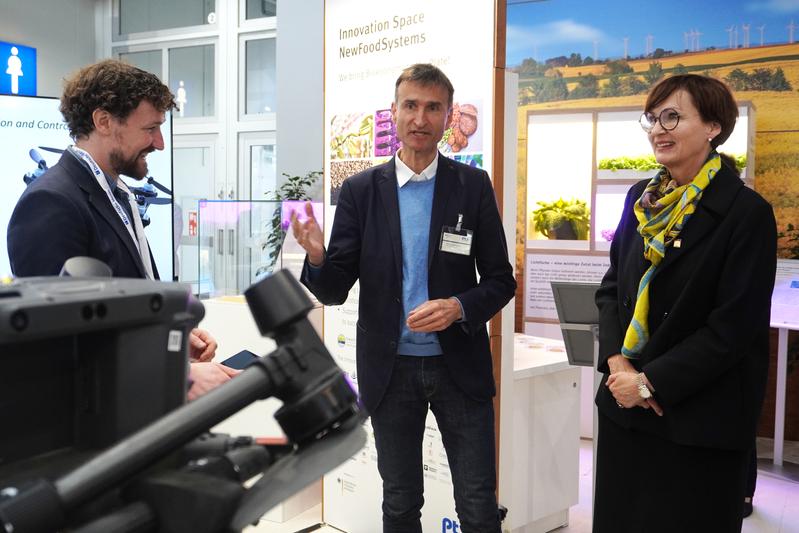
(415, 232)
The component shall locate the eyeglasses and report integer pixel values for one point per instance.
(668, 118)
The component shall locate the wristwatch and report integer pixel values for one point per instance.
(643, 390)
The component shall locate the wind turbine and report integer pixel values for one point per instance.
(697, 35)
(729, 34)
(626, 47)
(649, 46)
(791, 27)
(760, 29)
(745, 28)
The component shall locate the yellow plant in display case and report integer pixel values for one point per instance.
(562, 219)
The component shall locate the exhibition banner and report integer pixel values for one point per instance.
(367, 45)
(600, 63)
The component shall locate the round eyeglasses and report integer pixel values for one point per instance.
(668, 118)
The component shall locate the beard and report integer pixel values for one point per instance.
(134, 167)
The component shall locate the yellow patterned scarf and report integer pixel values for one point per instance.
(662, 212)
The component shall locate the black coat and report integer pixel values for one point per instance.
(365, 245)
(63, 214)
(710, 301)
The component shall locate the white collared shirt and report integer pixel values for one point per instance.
(405, 174)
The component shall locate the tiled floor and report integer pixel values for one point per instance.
(300, 523)
(776, 505)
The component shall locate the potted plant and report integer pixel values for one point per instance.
(641, 163)
(294, 188)
(562, 219)
(645, 165)
(627, 167)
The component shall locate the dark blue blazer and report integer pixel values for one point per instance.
(365, 245)
(710, 301)
(65, 213)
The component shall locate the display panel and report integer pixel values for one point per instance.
(33, 135)
(607, 214)
(785, 299)
(580, 165)
(559, 180)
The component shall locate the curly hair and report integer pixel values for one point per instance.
(113, 86)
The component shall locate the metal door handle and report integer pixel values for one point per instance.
(221, 194)
(220, 241)
(230, 241)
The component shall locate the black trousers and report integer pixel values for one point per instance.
(646, 484)
(751, 476)
(467, 432)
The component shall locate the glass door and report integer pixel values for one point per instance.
(194, 160)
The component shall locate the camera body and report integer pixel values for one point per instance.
(86, 362)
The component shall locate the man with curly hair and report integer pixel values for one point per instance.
(80, 207)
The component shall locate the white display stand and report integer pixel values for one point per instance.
(228, 319)
(782, 380)
(583, 138)
(579, 324)
(546, 436)
(784, 317)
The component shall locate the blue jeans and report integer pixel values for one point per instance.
(467, 431)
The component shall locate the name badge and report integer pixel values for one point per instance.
(456, 240)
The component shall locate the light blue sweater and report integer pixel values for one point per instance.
(415, 206)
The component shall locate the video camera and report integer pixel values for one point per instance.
(97, 437)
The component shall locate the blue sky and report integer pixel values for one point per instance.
(551, 28)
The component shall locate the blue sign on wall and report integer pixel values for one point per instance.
(17, 69)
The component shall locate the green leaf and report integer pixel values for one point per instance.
(549, 215)
(294, 188)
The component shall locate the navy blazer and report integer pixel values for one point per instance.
(63, 214)
(365, 245)
(710, 303)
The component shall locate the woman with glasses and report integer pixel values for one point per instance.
(684, 326)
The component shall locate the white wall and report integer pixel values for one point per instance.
(63, 33)
(300, 92)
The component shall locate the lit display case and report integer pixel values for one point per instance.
(580, 165)
(240, 242)
(624, 156)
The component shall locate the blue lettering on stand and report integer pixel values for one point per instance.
(447, 524)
